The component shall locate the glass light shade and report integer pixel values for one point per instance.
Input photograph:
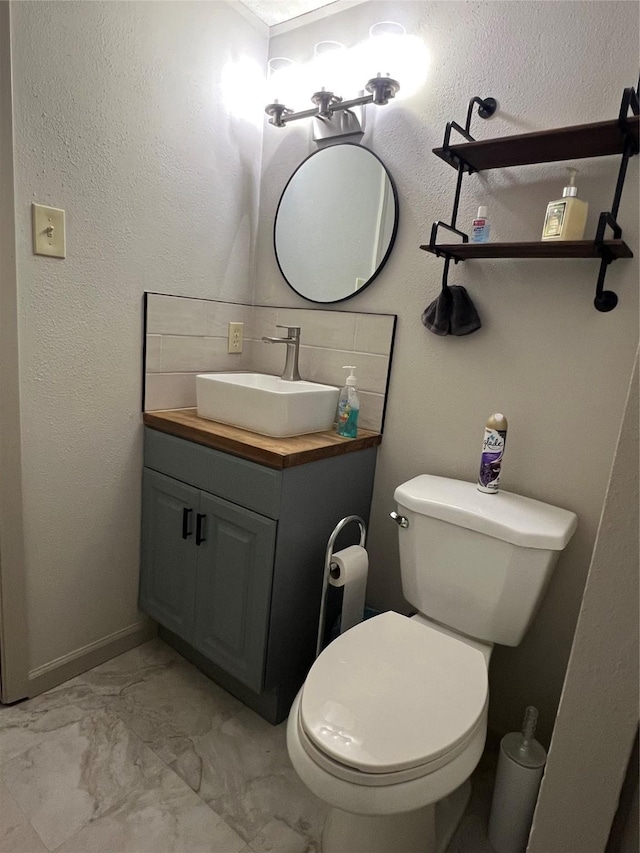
(283, 82)
(392, 53)
(327, 69)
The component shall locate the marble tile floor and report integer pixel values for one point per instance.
(145, 754)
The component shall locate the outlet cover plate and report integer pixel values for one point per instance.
(235, 336)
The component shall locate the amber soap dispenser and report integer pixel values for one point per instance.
(567, 217)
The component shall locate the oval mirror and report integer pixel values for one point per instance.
(336, 223)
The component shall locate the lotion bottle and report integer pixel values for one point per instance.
(348, 407)
(567, 217)
(495, 436)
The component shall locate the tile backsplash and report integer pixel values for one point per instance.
(186, 336)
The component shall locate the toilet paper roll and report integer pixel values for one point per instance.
(349, 569)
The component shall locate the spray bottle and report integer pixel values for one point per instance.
(495, 436)
(520, 769)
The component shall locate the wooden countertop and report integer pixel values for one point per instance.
(273, 452)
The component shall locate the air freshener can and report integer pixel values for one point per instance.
(495, 436)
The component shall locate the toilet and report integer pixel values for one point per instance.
(391, 720)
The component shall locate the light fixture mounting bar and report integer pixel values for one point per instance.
(302, 114)
(355, 102)
(332, 108)
(382, 90)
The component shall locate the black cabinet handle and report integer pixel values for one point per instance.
(186, 522)
(200, 517)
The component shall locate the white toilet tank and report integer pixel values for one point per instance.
(478, 563)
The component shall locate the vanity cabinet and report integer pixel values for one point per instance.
(233, 556)
(207, 567)
(168, 567)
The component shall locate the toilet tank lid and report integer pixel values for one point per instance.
(512, 518)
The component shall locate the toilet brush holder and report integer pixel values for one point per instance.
(520, 768)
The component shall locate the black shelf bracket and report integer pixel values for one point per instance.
(606, 300)
(440, 253)
(486, 108)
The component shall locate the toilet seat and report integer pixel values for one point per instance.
(358, 777)
(361, 797)
(392, 700)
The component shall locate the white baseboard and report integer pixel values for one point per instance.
(74, 663)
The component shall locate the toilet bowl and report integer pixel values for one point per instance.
(390, 721)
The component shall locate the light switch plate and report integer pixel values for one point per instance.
(48, 231)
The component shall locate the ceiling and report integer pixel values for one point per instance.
(274, 12)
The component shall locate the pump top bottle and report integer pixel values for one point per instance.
(566, 217)
(348, 407)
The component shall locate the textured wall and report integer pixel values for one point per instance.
(119, 119)
(598, 714)
(13, 615)
(545, 357)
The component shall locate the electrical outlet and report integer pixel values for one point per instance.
(234, 339)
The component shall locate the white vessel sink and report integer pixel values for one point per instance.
(266, 404)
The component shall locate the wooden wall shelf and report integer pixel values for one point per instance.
(551, 249)
(599, 139)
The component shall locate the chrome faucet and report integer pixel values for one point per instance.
(292, 341)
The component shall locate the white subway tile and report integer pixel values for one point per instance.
(373, 333)
(371, 410)
(187, 354)
(220, 314)
(175, 315)
(169, 391)
(325, 366)
(328, 329)
(152, 354)
(265, 358)
(263, 322)
(202, 355)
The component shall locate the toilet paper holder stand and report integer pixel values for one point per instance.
(330, 566)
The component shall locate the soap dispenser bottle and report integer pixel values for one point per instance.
(348, 407)
(566, 218)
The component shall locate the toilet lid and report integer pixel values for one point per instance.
(391, 694)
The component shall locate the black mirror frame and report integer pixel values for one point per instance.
(392, 239)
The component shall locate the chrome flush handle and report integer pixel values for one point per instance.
(399, 519)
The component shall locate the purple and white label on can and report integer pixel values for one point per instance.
(491, 459)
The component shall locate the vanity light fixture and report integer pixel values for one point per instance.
(381, 89)
(330, 61)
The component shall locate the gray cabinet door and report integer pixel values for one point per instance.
(233, 588)
(168, 565)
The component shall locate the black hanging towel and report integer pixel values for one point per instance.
(452, 313)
